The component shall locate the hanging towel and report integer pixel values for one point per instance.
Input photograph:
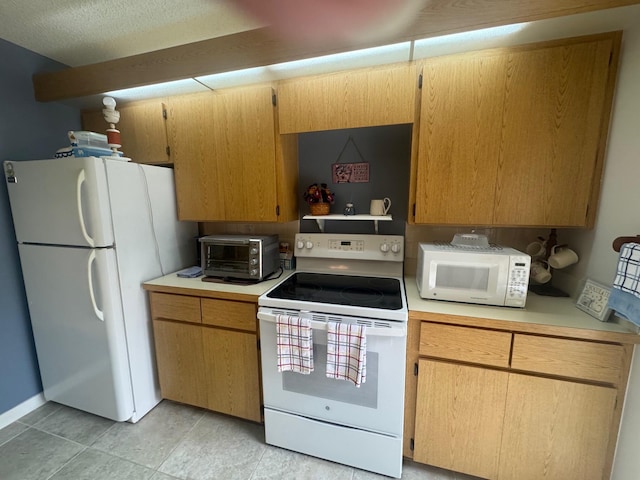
(294, 344)
(625, 292)
(347, 352)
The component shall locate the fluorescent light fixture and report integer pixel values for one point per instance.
(394, 53)
(237, 78)
(466, 41)
(177, 87)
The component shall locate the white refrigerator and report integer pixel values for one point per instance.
(90, 231)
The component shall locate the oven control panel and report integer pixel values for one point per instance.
(350, 246)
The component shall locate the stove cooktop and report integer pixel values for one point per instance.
(351, 290)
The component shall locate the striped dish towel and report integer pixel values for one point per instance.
(347, 352)
(625, 292)
(294, 344)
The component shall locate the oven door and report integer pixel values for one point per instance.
(376, 406)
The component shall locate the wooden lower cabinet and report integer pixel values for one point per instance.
(495, 424)
(207, 353)
(459, 417)
(231, 360)
(179, 356)
(555, 429)
(507, 405)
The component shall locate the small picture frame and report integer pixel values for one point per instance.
(350, 172)
(593, 300)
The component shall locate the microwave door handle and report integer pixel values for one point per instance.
(371, 331)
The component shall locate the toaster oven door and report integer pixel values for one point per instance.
(226, 259)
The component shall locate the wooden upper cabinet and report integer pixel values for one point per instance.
(142, 128)
(224, 151)
(356, 98)
(552, 129)
(460, 123)
(515, 136)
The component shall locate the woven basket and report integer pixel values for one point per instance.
(320, 208)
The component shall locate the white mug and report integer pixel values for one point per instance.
(562, 256)
(380, 207)
(540, 272)
(537, 249)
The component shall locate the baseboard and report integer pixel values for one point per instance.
(19, 411)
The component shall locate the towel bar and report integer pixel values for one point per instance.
(618, 242)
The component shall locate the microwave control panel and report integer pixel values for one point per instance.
(518, 282)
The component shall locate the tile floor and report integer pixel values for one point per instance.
(171, 442)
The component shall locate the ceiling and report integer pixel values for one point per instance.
(119, 44)
(82, 32)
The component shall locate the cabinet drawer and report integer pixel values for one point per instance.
(230, 314)
(568, 358)
(465, 344)
(175, 307)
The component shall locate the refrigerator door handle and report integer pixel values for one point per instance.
(99, 313)
(81, 179)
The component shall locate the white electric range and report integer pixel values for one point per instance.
(340, 278)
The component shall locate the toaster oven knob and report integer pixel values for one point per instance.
(254, 272)
(309, 245)
(254, 261)
(254, 251)
(384, 247)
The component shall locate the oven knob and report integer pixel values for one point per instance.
(384, 247)
(300, 244)
(254, 251)
(309, 245)
(254, 261)
(254, 272)
(395, 248)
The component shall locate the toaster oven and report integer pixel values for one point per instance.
(247, 257)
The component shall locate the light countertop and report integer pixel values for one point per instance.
(171, 283)
(544, 315)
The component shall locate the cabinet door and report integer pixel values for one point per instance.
(180, 360)
(142, 128)
(233, 372)
(515, 137)
(555, 429)
(223, 148)
(460, 128)
(459, 417)
(357, 98)
(551, 133)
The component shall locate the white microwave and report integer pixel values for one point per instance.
(491, 275)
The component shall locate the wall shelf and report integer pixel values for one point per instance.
(320, 219)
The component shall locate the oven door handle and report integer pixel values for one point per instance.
(371, 331)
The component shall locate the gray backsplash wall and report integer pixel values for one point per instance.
(386, 149)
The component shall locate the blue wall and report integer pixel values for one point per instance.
(28, 130)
